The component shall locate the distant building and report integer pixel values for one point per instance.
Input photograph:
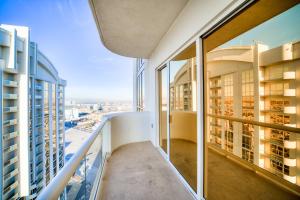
(32, 116)
(71, 113)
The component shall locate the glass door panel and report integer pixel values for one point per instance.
(163, 108)
(251, 103)
(183, 114)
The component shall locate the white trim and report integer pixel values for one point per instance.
(157, 109)
(168, 110)
(200, 119)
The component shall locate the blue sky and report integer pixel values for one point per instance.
(66, 33)
(281, 29)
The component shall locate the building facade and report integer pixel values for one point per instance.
(32, 116)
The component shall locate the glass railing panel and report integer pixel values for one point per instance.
(84, 183)
(76, 187)
(93, 164)
(79, 177)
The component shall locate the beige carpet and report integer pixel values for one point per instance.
(139, 172)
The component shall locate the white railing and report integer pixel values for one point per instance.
(79, 178)
(57, 185)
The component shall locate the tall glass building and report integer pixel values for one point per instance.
(32, 116)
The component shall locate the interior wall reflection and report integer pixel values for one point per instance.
(183, 114)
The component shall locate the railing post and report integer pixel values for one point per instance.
(106, 138)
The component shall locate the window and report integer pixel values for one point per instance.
(250, 89)
(47, 130)
(178, 113)
(54, 131)
(140, 84)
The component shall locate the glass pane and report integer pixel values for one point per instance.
(76, 188)
(54, 139)
(163, 102)
(143, 90)
(183, 115)
(253, 79)
(47, 131)
(93, 164)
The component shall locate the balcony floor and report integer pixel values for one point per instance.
(138, 171)
(229, 181)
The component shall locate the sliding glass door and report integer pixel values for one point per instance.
(252, 76)
(180, 91)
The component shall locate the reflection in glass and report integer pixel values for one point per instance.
(255, 77)
(183, 115)
(163, 106)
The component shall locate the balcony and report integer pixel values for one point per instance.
(10, 96)
(10, 148)
(9, 83)
(38, 87)
(120, 162)
(10, 135)
(38, 97)
(10, 162)
(10, 109)
(289, 93)
(10, 188)
(111, 137)
(10, 174)
(10, 122)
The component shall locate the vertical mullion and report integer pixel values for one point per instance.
(200, 119)
(168, 110)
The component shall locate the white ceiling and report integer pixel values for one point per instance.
(133, 28)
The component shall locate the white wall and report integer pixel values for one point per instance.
(127, 128)
(195, 19)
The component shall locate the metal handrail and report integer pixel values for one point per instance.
(262, 124)
(59, 182)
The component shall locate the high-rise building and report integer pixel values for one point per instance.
(32, 116)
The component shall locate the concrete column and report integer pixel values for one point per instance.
(23, 102)
(222, 110)
(12, 59)
(237, 108)
(257, 108)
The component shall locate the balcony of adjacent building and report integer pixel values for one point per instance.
(119, 161)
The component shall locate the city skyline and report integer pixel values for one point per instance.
(66, 33)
